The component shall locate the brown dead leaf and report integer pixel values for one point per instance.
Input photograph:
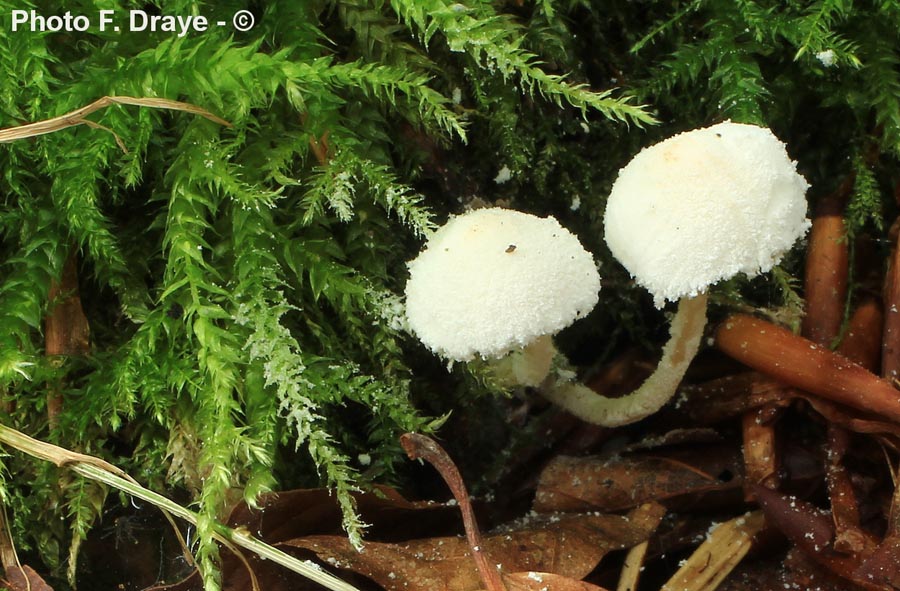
(23, 578)
(536, 581)
(569, 546)
(621, 482)
(421, 447)
(727, 397)
(292, 514)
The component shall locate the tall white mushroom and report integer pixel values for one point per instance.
(493, 281)
(683, 214)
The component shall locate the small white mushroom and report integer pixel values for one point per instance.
(703, 206)
(495, 280)
(683, 214)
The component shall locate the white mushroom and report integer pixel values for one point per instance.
(496, 280)
(683, 214)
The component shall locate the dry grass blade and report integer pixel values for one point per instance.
(77, 117)
(100, 470)
(631, 570)
(723, 549)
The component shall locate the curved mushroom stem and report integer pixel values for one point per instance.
(684, 342)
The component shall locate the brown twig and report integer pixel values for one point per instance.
(760, 448)
(853, 420)
(419, 446)
(66, 329)
(880, 564)
(826, 269)
(862, 341)
(890, 344)
(801, 363)
(826, 293)
(812, 531)
(849, 537)
(862, 344)
(725, 398)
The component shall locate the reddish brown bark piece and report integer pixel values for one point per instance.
(849, 538)
(826, 271)
(826, 293)
(622, 482)
(852, 419)
(812, 531)
(862, 341)
(568, 546)
(724, 398)
(66, 330)
(883, 566)
(760, 448)
(801, 363)
(890, 345)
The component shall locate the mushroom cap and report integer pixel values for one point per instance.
(703, 206)
(493, 280)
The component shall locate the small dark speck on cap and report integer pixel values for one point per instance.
(511, 248)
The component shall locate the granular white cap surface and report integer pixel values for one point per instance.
(703, 206)
(493, 280)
